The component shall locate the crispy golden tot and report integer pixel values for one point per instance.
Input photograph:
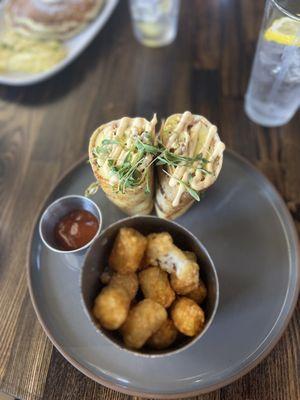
(105, 277)
(129, 282)
(128, 251)
(111, 307)
(187, 316)
(155, 285)
(183, 285)
(191, 256)
(161, 251)
(143, 263)
(143, 320)
(157, 245)
(198, 294)
(164, 337)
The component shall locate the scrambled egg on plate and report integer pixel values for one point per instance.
(23, 54)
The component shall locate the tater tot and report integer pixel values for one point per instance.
(128, 251)
(185, 285)
(129, 282)
(187, 316)
(105, 277)
(180, 285)
(143, 264)
(157, 243)
(111, 307)
(143, 320)
(191, 256)
(161, 251)
(198, 294)
(155, 285)
(164, 337)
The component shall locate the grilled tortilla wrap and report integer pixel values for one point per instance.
(190, 164)
(122, 165)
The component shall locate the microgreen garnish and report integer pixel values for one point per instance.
(133, 171)
(147, 189)
(172, 159)
(192, 192)
(127, 173)
(188, 188)
(99, 150)
(204, 170)
(91, 189)
(147, 148)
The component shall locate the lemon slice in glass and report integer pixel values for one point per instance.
(284, 31)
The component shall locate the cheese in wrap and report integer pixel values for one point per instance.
(121, 162)
(190, 164)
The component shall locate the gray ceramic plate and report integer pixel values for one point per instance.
(250, 236)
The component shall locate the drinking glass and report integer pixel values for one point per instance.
(273, 93)
(155, 21)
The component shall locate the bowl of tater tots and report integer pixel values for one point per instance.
(149, 286)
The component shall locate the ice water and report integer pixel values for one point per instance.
(155, 21)
(273, 94)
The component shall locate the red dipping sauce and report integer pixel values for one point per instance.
(75, 230)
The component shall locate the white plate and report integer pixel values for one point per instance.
(74, 46)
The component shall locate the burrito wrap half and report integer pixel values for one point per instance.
(194, 139)
(124, 133)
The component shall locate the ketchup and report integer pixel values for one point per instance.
(75, 229)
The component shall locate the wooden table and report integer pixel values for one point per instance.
(45, 128)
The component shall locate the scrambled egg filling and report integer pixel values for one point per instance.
(23, 54)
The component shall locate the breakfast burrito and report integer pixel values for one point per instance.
(121, 154)
(190, 162)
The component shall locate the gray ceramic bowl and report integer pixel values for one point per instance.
(97, 257)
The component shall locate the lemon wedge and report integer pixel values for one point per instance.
(284, 31)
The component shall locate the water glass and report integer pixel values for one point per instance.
(155, 21)
(273, 94)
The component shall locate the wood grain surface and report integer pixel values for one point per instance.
(46, 127)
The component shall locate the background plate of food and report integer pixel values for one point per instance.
(241, 221)
(40, 38)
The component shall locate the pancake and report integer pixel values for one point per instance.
(51, 19)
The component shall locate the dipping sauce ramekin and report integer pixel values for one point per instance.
(59, 209)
